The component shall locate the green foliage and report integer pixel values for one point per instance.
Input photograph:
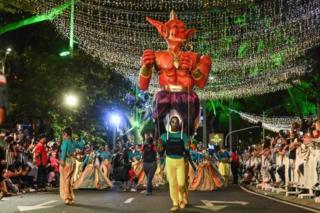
(305, 96)
(243, 49)
(254, 71)
(241, 20)
(220, 109)
(277, 59)
(38, 79)
(261, 46)
(148, 126)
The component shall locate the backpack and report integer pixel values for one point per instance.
(149, 155)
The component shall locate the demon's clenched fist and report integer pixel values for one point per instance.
(148, 59)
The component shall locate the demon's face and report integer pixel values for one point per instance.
(172, 31)
(176, 31)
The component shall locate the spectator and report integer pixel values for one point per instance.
(234, 165)
(132, 180)
(41, 160)
(53, 169)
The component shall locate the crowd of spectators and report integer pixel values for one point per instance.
(29, 162)
(291, 159)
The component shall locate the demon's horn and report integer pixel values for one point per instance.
(173, 15)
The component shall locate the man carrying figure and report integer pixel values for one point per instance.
(175, 144)
(178, 72)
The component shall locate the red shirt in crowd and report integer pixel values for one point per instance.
(234, 157)
(153, 147)
(54, 163)
(41, 155)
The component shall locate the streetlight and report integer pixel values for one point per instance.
(71, 100)
(8, 51)
(115, 120)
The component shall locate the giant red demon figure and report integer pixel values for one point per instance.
(178, 71)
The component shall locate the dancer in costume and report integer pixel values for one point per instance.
(208, 177)
(137, 166)
(196, 157)
(106, 158)
(67, 166)
(93, 177)
(175, 145)
(178, 71)
(224, 164)
(159, 179)
(79, 157)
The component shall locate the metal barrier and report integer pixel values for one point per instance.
(301, 175)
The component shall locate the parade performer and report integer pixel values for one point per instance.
(67, 166)
(175, 145)
(159, 179)
(196, 157)
(79, 157)
(137, 167)
(93, 177)
(106, 158)
(178, 71)
(224, 164)
(208, 177)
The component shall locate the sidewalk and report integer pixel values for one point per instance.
(309, 203)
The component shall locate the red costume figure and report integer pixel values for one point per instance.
(178, 71)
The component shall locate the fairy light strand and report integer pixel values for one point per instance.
(257, 47)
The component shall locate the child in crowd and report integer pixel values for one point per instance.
(132, 180)
(53, 167)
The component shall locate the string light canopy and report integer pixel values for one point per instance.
(274, 124)
(257, 46)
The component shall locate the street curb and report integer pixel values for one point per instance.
(280, 200)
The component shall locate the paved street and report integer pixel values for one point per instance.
(231, 200)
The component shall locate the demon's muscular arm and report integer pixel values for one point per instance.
(147, 62)
(201, 72)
